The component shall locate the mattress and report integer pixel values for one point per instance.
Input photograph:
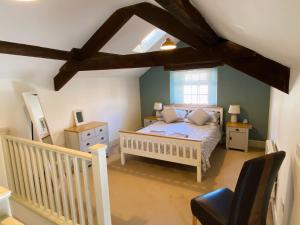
(208, 135)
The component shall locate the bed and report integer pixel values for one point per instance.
(179, 142)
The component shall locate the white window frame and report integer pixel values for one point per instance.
(194, 87)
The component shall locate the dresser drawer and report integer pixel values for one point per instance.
(101, 131)
(102, 139)
(87, 134)
(85, 145)
(240, 130)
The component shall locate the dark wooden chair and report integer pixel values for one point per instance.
(248, 204)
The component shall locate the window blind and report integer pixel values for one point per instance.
(194, 86)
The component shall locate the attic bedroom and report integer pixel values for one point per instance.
(149, 112)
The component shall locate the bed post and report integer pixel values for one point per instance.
(123, 159)
(199, 175)
(199, 165)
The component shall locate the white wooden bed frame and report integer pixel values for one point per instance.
(178, 150)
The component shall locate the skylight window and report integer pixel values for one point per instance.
(150, 40)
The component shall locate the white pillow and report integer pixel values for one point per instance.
(169, 115)
(213, 117)
(198, 117)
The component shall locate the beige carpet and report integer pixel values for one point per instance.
(152, 192)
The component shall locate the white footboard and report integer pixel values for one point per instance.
(172, 149)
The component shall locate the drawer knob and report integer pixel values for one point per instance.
(230, 138)
(237, 129)
(100, 130)
(102, 138)
(87, 144)
(88, 134)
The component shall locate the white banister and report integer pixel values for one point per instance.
(55, 182)
(101, 184)
(71, 190)
(86, 181)
(78, 191)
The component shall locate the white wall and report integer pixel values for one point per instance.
(112, 99)
(284, 129)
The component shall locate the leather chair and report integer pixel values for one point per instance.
(248, 204)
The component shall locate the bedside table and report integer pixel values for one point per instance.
(148, 120)
(237, 135)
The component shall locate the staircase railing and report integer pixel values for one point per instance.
(60, 184)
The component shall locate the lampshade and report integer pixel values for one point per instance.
(158, 106)
(234, 109)
(168, 45)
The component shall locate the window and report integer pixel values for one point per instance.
(150, 40)
(194, 87)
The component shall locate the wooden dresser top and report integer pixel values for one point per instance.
(85, 127)
(239, 125)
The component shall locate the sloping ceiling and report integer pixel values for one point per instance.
(269, 27)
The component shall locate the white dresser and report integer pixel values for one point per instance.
(84, 136)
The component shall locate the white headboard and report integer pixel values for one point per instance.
(209, 108)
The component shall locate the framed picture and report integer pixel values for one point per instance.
(43, 125)
(78, 117)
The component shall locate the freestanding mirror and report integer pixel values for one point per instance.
(40, 128)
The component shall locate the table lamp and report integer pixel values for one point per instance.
(158, 106)
(234, 110)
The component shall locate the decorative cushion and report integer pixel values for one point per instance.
(198, 117)
(169, 115)
(213, 117)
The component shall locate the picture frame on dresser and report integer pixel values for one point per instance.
(79, 117)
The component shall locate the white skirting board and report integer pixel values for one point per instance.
(27, 216)
(257, 144)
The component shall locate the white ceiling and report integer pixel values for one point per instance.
(270, 27)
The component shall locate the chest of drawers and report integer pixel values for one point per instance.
(84, 136)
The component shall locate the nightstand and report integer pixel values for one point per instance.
(148, 120)
(237, 135)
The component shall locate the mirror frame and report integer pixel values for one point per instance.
(36, 135)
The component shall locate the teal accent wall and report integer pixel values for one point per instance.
(154, 87)
(234, 87)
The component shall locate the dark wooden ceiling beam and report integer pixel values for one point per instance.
(191, 66)
(150, 13)
(183, 21)
(265, 70)
(157, 58)
(146, 11)
(32, 51)
(188, 15)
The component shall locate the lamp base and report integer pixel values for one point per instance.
(233, 118)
